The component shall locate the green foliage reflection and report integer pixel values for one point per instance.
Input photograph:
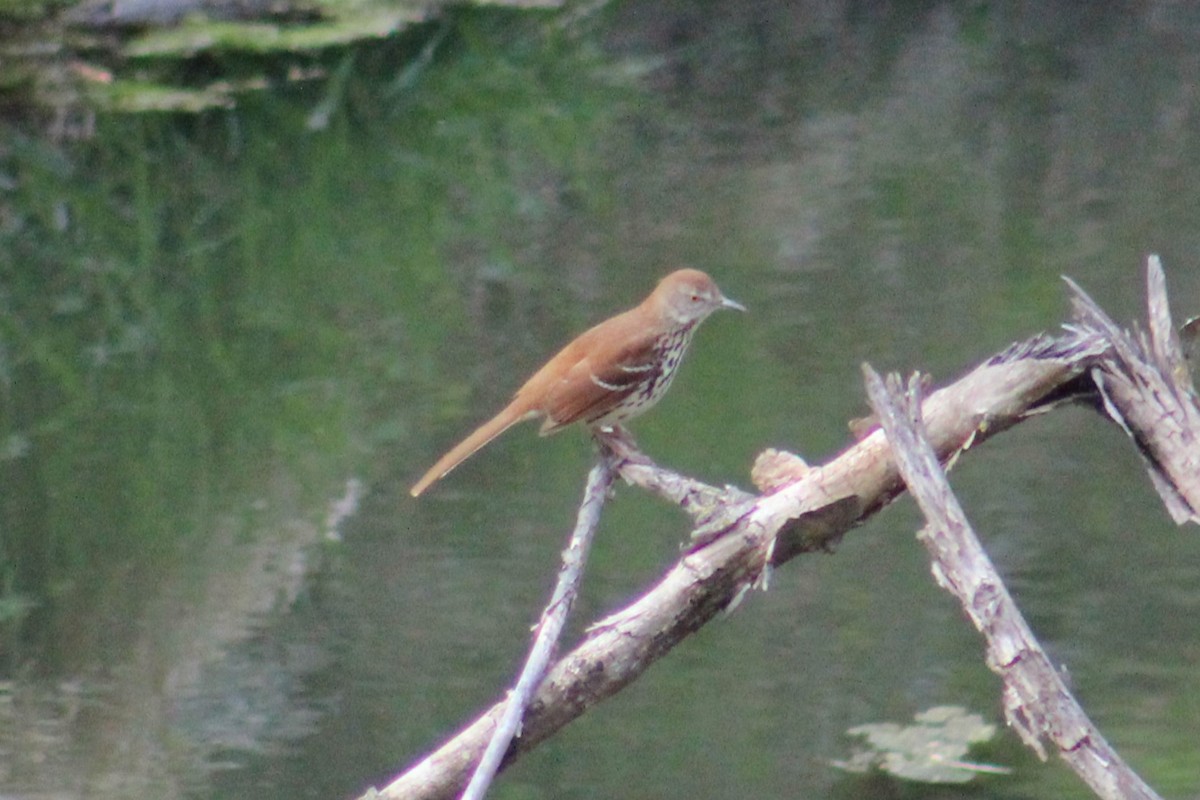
(199, 310)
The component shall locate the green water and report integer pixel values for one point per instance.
(219, 329)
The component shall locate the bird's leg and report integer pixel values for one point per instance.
(617, 443)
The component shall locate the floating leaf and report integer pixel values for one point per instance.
(930, 750)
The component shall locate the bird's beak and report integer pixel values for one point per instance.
(732, 304)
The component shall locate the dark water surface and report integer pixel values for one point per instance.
(233, 341)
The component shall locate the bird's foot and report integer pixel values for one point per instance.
(616, 442)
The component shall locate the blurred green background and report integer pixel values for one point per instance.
(231, 338)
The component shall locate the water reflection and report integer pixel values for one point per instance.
(220, 322)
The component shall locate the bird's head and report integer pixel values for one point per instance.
(689, 296)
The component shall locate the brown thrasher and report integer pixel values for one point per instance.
(608, 374)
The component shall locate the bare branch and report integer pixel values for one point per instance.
(548, 630)
(1147, 390)
(698, 499)
(1036, 701)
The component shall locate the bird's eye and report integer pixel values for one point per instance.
(695, 298)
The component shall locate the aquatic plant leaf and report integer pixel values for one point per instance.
(931, 750)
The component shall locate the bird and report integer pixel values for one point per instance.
(610, 373)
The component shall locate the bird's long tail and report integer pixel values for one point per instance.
(512, 414)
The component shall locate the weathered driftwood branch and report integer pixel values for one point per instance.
(696, 498)
(739, 537)
(548, 630)
(1037, 704)
(1147, 390)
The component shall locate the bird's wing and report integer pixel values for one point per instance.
(598, 382)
